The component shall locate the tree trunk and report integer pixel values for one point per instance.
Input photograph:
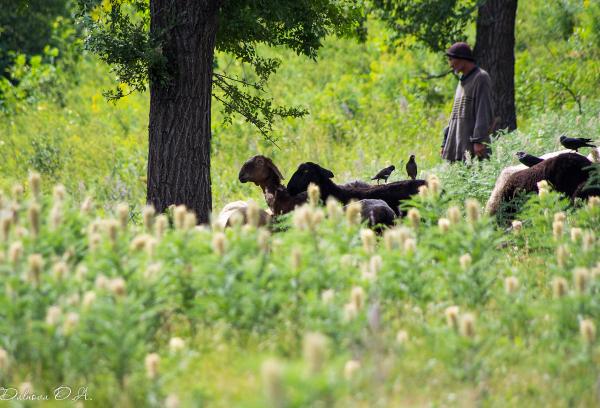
(179, 128)
(495, 53)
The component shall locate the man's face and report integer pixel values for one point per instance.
(456, 64)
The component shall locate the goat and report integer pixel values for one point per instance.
(391, 193)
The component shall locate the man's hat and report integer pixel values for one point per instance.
(461, 50)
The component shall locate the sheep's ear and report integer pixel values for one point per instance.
(272, 166)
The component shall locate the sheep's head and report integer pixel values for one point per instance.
(307, 173)
(259, 169)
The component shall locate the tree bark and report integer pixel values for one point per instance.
(179, 125)
(495, 53)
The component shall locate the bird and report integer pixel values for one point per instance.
(411, 167)
(384, 174)
(575, 143)
(528, 159)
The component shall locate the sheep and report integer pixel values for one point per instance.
(567, 173)
(391, 193)
(225, 217)
(262, 171)
(493, 203)
(376, 212)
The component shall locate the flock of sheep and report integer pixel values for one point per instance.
(567, 171)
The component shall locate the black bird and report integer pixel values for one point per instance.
(411, 167)
(528, 159)
(384, 174)
(575, 143)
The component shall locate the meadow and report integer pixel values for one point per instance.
(449, 308)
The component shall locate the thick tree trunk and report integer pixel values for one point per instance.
(495, 53)
(179, 128)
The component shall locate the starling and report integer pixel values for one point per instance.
(575, 143)
(528, 159)
(384, 174)
(411, 167)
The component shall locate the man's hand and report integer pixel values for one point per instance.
(479, 150)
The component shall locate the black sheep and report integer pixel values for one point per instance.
(392, 193)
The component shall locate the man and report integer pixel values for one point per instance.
(471, 121)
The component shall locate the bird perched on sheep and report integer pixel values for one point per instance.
(384, 174)
(528, 159)
(575, 143)
(392, 193)
(411, 167)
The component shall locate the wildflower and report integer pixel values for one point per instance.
(327, 296)
(576, 234)
(3, 359)
(301, 218)
(219, 243)
(26, 388)
(17, 192)
(111, 227)
(179, 216)
(150, 247)
(263, 239)
(176, 344)
(351, 368)
(444, 225)
(80, 272)
(368, 239)
(73, 300)
(350, 311)
(315, 351)
(34, 219)
(88, 298)
(53, 315)
(71, 321)
(95, 240)
(593, 202)
(272, 378)
(296, 258)
(36, 263)
(101, 282)
(375, 264)
(353, 213)
(423, 192)
(595, 156)
(117, 286)
(15, 252)
(313, 194)
(172, 401)
(253, 213)
(467, 325)
(401, 337)
(433, 182)
(581, 277)
(561, 255)
(35, 184)
(60, 270)
(357, 297)
(5, 224)
(414, 217)
(517, 226)
(588, 240)
(465, 261)
(148, 213)
(472, 209)
(59, 192)
(560, 217)
(152, 271)
(190, 221)
(123, 214)
(559, 287)
(410, 245)
(543, 185)
(86, 205)
(334, 210)
(587, 328)
(557, 229)
(454, 214)
(160, 225)
(56, 216)
(451, 313)
(139, 242)
(152, 362)
(511, 284)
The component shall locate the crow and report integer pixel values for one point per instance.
(411, 167)
(528, 159)
(384, 174)
(575, 143)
